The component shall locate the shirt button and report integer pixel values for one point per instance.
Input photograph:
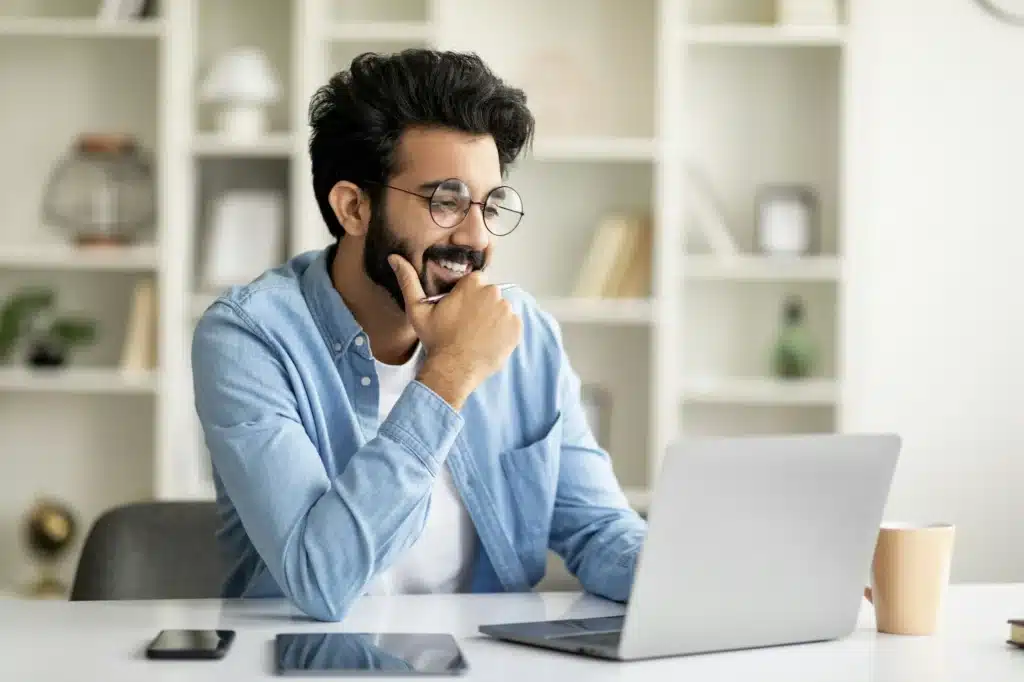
(359, 340)
(365, 381)
(337, 347)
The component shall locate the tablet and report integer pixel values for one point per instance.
(361, 653)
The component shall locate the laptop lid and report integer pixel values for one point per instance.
(758, 541)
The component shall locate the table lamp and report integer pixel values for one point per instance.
(242, 83)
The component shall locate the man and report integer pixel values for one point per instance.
(366, 441)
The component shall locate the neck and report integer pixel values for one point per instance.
(391, 336)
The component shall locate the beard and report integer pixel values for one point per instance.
(381, 242)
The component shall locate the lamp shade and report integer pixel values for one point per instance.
(241, 76)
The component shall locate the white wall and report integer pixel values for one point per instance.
(935, 211)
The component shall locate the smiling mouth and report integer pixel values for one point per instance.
(447, 272)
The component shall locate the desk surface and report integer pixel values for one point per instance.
(42, 640)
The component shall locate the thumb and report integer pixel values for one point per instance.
(408, 282)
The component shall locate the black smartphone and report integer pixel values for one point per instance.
(190, 645)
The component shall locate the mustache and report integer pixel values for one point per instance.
(456, 254)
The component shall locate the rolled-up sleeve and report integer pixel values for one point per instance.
(322, 539)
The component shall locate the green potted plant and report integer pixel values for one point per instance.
(17, 315)
(29, 328)
(54, 344)
(794, 354)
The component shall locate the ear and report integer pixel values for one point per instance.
(351, 208)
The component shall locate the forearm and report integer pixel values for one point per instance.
(593, 528)
(604, 557)
(324, 539)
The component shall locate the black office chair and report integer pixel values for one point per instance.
(151, 550)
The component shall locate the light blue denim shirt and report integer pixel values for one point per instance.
(317, 495)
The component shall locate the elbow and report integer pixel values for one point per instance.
(320, 597)
(316, 587)
(328, 606)
(322, 610)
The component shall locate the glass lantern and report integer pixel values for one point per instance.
(102, 192)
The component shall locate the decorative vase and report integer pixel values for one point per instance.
(102, 192)
(794, 352)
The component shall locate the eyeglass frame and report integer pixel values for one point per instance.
(482, 204)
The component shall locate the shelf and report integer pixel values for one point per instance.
(764, 35)
(79, 28)
(566, 310)
(593, 149)
(77, 380)
(760, 391)
(272, 145)
(763, 268)
(363, 31)
(65, 257)
(608, 311)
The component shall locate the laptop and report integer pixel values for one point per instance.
(752, 542)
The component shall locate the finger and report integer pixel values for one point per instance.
(408, 282)
(474, 280)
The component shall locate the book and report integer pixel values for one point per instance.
(1016, 633)
(599, 265)
(618, 261)
(138, 351)
(636, 282)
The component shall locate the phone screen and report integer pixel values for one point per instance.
(366, 653)
(190, 643)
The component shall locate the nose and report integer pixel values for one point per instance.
(472, 233)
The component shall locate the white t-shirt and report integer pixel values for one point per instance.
(441, 559)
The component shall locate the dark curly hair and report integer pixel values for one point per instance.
(358, 117)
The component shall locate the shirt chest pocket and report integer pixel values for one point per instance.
(531, 474)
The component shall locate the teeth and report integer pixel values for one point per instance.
(457, 268)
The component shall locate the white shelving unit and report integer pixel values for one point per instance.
(46, 27)
(763, 105)
(90, 434)
(271, 146)
(627, 95)
(78, 381)
(749, 36)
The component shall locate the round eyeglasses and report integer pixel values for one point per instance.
(451, 200)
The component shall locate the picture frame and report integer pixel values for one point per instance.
(244, 237)
(787, 221)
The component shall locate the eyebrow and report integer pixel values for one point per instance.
(431, 185)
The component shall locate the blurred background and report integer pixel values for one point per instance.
(749, 216)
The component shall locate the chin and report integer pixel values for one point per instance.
(438, 288)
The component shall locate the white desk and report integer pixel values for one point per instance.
(42, 641)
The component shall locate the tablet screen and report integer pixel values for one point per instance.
(367, 653)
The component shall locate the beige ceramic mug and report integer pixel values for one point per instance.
(909, 576)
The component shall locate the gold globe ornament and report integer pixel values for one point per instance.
(49, 530)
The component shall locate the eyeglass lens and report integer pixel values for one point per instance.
(451, 201)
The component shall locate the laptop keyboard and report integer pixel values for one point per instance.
(601, 639)
(588, 625)
(601, 632)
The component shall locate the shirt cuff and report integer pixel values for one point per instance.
(423, 423)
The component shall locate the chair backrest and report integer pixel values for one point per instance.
(151, 550)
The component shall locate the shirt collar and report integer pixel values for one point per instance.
(336, 322)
